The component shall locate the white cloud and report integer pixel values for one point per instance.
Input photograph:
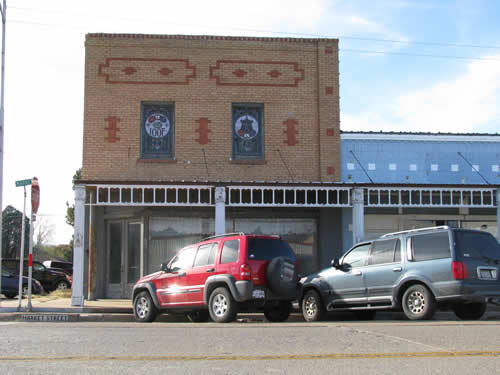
(468, 103)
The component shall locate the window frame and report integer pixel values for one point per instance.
(152, 106)
(259, 107)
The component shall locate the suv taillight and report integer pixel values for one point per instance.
(459, 270)
(245, 272)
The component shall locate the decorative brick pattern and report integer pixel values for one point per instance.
(112, 129)
(203, 130)
(256, 73)
(240, 73)
(290, 132)
(328, 50)
(329, 90)
(127, 70)
(330, 171)
(330, 132)
(195, 74)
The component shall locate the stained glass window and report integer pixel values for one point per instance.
(157, 130)
(248, 131)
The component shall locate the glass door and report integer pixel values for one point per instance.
(124, 257)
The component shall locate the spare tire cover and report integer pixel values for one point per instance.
(282, 277)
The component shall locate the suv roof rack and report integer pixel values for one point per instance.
(223, 235)
(415, 230)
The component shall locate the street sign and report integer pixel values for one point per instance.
(23, 182)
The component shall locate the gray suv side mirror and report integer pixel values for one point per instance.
(336, 263)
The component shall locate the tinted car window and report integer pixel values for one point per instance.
(431, 246)
(476, 245)
(268, 249)
(203, 255)
(397, 252)
(383, 252)
(357, 257)
(230, 251)
(183, 260)
(213, 253)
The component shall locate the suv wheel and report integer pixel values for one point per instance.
(312, 307)
(470, 311)
(62, 285)
(418, 303)
(222, 306)
(144, 308)
(198, 316)
(277, 311)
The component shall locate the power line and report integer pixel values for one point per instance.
(310, 35)
(418, 54)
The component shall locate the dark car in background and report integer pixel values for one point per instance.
(59, 265)
(416, 271)
(10, 284)
(50, 279)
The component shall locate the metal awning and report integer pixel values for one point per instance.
(289, 195)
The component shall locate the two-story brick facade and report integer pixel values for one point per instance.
(189, 135)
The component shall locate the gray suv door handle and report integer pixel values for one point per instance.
(357, 273)
(397, 269)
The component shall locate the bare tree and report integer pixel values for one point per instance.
(44, 231)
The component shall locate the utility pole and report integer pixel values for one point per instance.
(3, 10)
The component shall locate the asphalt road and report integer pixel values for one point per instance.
(334, 347)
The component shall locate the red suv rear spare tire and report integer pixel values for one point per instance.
(282, 277)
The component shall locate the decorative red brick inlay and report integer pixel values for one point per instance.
(330, 132)
(274, 73)
(129, 70)
(329, 50)
(240, 73)
(329, 90)
(330, 171)
(203, 130)
(147, 71)
(259, 73)
(290, 132)
(165, 71)
(112, 129)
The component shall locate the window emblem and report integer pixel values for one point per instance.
(157, 125)
(246, 127)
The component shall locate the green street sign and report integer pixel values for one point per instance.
(23, 182)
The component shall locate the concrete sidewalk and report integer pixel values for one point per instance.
(60, 309)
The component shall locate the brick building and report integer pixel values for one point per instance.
(185, 136)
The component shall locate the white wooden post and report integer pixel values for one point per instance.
(358, 215)
(220, 210)
(78, 246)
(498, 215)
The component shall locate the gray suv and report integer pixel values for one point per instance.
(416, 271)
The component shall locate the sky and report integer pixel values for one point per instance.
(405, 65)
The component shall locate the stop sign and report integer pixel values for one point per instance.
(35, 195)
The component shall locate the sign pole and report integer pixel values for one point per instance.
(3, 9)
(35, 202)
(30, 262)
(21, 261)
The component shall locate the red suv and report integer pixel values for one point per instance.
(221, 276)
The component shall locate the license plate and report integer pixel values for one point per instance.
(486, 274)
(258, 293)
